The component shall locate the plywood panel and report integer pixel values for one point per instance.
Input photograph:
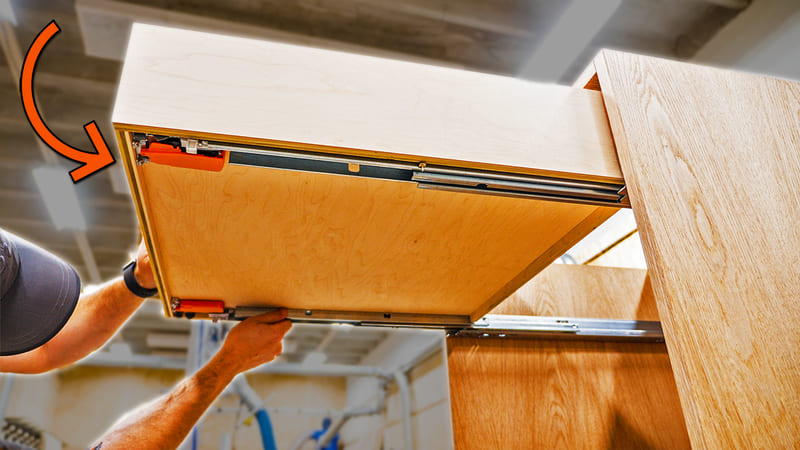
(713, 171)
(254, 236)
(564, 290)
(541, 394)
(184, 82)
(538, 394)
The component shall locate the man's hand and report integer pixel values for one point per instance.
(143, 272)
(255, 341)
(165, 422)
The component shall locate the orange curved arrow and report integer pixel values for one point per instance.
(91, 162)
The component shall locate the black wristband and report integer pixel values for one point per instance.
(133, 285)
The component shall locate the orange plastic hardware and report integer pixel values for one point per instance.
(201, 306)
(166, 154)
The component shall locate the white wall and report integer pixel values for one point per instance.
(77, 405)
(33, 399)
(430, 399)
(323, 393)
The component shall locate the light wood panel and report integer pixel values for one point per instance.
(565, 290)
(712, 166)
(542, 394)
(298, 97)
(253, 236)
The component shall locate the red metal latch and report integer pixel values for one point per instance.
(172, 155)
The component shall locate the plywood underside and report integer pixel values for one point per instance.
(254, 236)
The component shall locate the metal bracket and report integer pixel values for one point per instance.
(190, 145)
(176, 152)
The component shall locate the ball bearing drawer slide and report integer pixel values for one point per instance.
(210, 155)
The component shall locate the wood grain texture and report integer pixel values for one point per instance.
(564, 290)
(201, 84)
(712, 166)
(254, 236)
(541, 394)
(555, 247)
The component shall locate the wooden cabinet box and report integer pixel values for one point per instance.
(349, 187)
(352, 188)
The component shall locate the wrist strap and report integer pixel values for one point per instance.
(133, 285)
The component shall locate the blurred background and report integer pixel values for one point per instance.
(548, 41)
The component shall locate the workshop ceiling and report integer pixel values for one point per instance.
(498, 36)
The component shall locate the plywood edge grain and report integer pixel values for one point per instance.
(138, 194)
(592, 221)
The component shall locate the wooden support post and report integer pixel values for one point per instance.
(711, 159)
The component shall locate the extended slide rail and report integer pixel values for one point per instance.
(195, 153)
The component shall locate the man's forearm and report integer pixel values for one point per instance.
(165, 422)
(96, 318)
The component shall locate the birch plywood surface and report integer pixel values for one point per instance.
(540, 394)
(712, 164)
(254, 236)
(208, 85)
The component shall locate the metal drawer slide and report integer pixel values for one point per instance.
(491, 325)
(426, 176)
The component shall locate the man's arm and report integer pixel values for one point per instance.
(165, 422)
(96, 318)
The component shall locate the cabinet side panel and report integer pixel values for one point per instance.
(541, 394)
(712, 166)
